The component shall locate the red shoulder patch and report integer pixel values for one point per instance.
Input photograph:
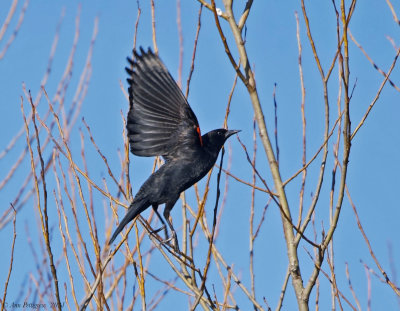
(199, 133)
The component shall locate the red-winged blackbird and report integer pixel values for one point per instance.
(161, 122)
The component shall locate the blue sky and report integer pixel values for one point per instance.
(373, 177)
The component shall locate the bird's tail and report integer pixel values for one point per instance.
(136, 207)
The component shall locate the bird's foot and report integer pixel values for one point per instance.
(163, 227)
(174, 243)
(167, 241)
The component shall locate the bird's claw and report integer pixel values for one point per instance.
(174, 243)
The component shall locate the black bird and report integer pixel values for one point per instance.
(161, 123)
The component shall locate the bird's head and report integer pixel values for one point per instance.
(215, 139)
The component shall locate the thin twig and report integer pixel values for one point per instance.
(246, 11)
(372, 62)
(194, 51)
(351, 287)
(360, 227)
(153, 26)
(211, 237)
(180, 36)
(11, 260)
(104, 159)
(330, 281)
(6, 22)
(393, 12)
(43, 215)
(251, 220)
(16, 29)
(303, 120)
(376, 96)
(283, 290)
(276, 123)
(209, 6)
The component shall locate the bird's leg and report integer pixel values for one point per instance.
(167, 210)
(164, 226)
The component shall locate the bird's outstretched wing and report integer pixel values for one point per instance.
(160, 120)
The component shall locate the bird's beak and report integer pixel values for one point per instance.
(229, 133)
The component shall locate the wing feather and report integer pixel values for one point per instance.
(160, 120)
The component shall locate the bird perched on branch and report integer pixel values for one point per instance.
(161, 123)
